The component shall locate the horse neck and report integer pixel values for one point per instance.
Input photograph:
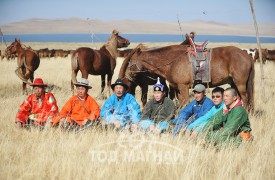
(20, 49)
(153, 67)
(111, 47)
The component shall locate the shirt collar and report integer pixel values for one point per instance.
(201, 102)
(219, 105)
(122, 97)
(155, 102)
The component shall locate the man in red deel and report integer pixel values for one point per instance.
(39, 108)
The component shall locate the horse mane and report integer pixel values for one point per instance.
(111, 46)
(127, 60)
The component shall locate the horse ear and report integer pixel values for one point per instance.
(15, 39)
(115, 32)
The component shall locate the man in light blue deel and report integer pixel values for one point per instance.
(195, 109)
(121, 108)
(194, 128)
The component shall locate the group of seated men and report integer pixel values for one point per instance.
(221, 119)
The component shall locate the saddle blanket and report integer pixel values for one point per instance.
(201, 65)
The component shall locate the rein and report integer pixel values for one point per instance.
(155, 68)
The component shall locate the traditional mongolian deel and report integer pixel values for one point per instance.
(228, 125)
(77, 110)
(126, 110)
(40, 109)
(191, 113)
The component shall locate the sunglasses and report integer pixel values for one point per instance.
(215, 97)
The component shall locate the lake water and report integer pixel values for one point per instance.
(132, 38)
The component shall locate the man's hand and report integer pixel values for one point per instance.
(134, 127)
(84, 122)
(117, 124)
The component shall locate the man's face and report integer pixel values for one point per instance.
(217, 98)
(119, 90)
(228, 98)
(198, 95)
(38, 91)
(82, 91)
(158, 95)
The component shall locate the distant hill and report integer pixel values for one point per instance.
(79, 26)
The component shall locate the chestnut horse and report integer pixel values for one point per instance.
(141, 79)
(98, 62)
(28, 61)
(228, 65)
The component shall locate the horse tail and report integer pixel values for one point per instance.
(250, 87)
(74, 63)
(74, 60)
(126, 62)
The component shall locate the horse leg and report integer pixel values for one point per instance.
(144, 91)
(183, 95)
(109, 81)
(166, 89)
(171, 93)
(132, 89)
(32, 77)
(241, 88)
(73, 80)
(103, 84)
(24, 89)
(28, 75)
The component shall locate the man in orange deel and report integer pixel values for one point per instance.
(39, 108)
(80, 111)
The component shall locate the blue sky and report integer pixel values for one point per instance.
(224, 11)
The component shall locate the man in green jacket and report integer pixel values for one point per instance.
(231, 123)
(158, 111)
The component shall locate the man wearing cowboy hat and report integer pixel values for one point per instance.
(80, 109)
(195, 109)
(121, 108)
(158, 111)
(39, 108)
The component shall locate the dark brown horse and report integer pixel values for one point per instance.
(228, 65)
(98, 62)
(27, 61)
(141, 78)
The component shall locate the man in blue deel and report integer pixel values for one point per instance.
(195, 109)
(121, 108)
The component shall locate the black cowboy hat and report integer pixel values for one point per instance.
(119, 82)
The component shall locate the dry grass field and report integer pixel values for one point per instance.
(93, 154)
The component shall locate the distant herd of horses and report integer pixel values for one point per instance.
(42, 53)
(142, 66)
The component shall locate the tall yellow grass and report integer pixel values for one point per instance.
(52, 154)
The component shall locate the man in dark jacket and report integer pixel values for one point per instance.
(158, 111)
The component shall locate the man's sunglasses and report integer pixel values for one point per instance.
(215, 97)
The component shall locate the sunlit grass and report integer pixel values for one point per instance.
(54, 154)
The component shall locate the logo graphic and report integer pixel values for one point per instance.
(137, 148)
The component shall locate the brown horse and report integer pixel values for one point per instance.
(27, 61)
(141, 78)
(98, 62)
(228, 65)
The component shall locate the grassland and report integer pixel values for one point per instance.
(52, 154)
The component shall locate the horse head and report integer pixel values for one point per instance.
(118, 40)
(13, 48)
